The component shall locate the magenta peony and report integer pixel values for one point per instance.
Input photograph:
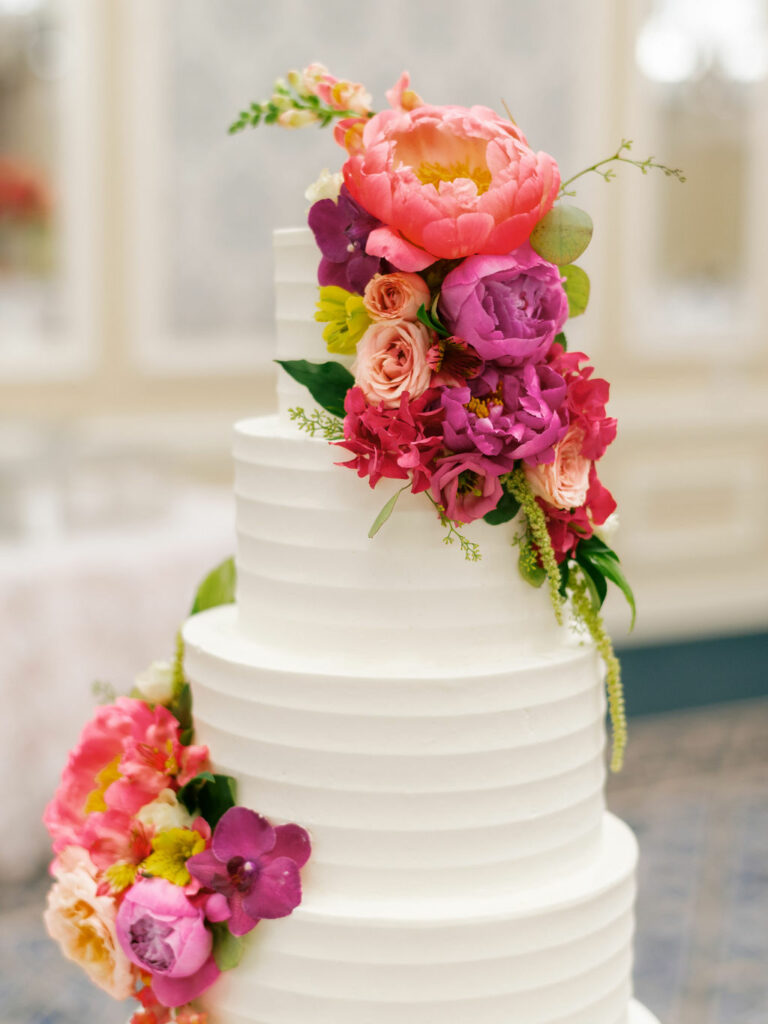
(509, 308)
(392, 361)
(507, 414)
(446, 182)
(164, 934)
(254, 866)
(393, 443)
(467, 486)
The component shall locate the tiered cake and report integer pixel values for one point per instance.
(434, 729)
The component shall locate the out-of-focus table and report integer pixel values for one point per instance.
(77, 608)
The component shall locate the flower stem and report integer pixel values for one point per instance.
(643, 165)
(178, 665)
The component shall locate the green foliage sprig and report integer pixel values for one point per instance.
(592, 621)
(469, 548)
(519, 487)
(288, 95)
(318, 423)
(179, 678)
(609, 173)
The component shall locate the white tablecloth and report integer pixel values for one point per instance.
(77, 609)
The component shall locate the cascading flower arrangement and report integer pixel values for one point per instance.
(158, 873)
(447, 271)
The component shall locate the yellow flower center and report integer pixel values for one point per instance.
(170, 852)
(433, 173)
(104, 780)
(171, 764)
(121, 876)
(482, 406)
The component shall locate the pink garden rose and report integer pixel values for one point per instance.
(395, 296)
(392, 360)
(83, 924)
(509, 308)
(446, 182)
(467, 486)
(563, 483)
(164, 934)
(568, 526)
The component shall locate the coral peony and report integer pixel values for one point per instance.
(164, 934)
(393, 443)
(254, 866)
(392, 360)
(395, 296)
(83, 923)
(565, 481)
(509, 308)
(467, 486)
(447, 182)
(507, 414)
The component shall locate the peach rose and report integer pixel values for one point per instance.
(392, 359)
(395, 296)
(563, 483)
(83, 923)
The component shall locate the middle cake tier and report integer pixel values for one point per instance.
(413, 786)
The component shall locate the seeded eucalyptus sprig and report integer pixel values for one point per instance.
(318, 423)
(469, 548)
(297, 107)
(609, 173)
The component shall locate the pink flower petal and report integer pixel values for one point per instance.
(387, 244)
(277, 892)
(178, 991)
(242, 833)
(292, 841)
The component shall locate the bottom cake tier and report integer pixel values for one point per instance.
(559, 954)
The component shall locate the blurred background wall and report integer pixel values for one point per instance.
(136, 303)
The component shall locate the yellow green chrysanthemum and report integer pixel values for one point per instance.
(345, 316)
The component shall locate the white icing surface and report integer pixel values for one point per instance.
(434, 729)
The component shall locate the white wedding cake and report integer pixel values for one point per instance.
(438, 734)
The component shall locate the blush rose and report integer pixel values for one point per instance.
(565, 481)
(395, 296)
(392, 360)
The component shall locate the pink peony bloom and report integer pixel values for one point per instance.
(564, 482)
(467, 486)
(395, 296)
(164, 934)
(586, 399)
(393, 443)
(254, 866)
(392, 361)
(509, 308)
(447, 182)
(126, 755)
(83, 923)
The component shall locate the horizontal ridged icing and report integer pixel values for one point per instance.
(309, 576)
(559, 954)
(416, 787)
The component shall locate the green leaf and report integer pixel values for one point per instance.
(599, 557)
(432, 321)
(595, 580)
(387, 511)
(565, 572)
(507, 509)
(209, 795)
(535, 575)
(561, 340)
(562, 235)
(227, 948)
(328, 383)
(181, 708)
(217, 588)
(576, 288)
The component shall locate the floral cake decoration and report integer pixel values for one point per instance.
(447, 274)
(158, 872)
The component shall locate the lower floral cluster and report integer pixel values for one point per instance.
(157, 872)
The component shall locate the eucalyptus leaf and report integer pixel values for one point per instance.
(576, 288)
(217, 588)
(328, 383)
(227, 948)
(507, 509)
(387, 511)
(562, 235)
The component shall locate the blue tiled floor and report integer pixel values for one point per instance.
(695, 789)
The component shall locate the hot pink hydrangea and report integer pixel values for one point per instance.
(446, 182)
(394, 443)
(126, 755)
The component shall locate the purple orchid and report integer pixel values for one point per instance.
(507, 414)
(253, 868)
(341, 230)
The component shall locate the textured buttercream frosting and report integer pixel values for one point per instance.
(434, 729)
